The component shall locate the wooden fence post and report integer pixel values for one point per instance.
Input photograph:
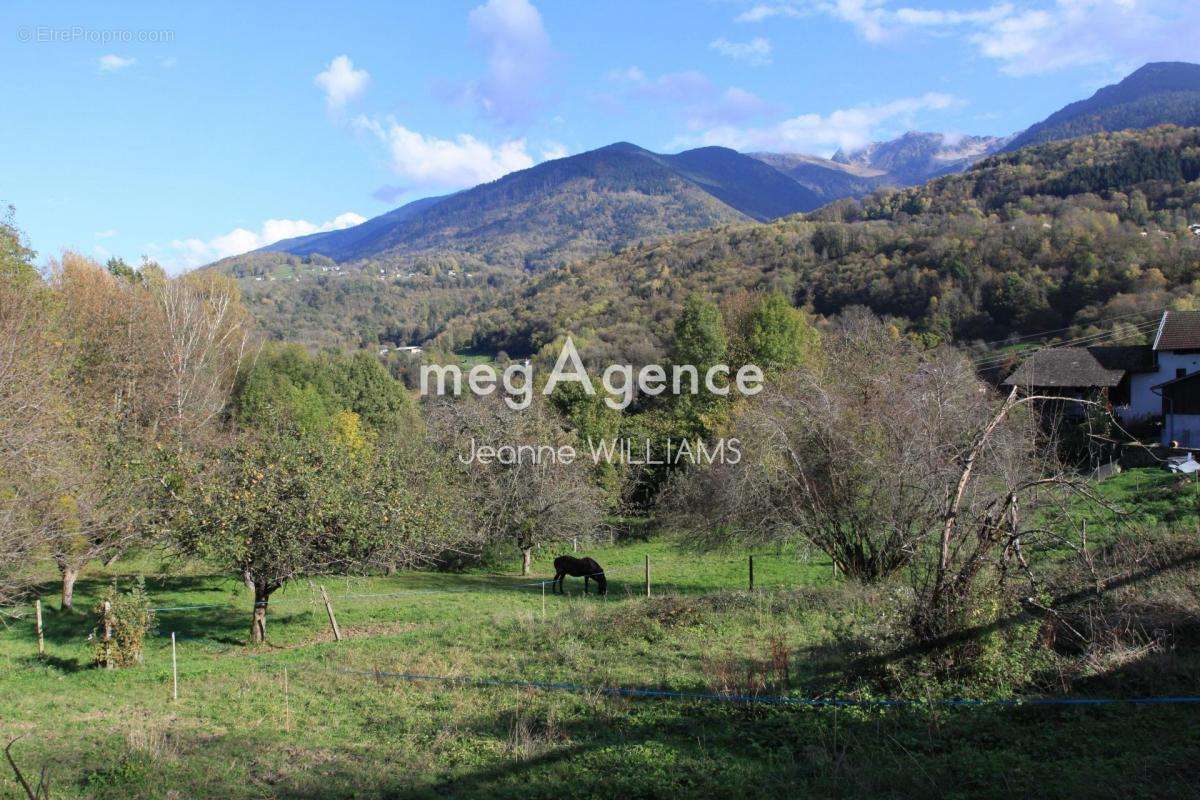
(37, 605)
(647, 575)
(752, 572)
(106, 610)
(337, 633)
(174, 670)
(287, 706)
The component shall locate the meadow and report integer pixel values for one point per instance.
(308, 717)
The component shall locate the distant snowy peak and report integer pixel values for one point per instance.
(919, 155)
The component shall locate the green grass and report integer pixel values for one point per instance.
(1137, 502)
(340, 733)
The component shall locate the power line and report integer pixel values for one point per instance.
(1040, 334)
(1095, 338)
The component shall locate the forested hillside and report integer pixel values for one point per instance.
(1064, 235)
(1156, 94)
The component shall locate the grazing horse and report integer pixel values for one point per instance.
(585, 568)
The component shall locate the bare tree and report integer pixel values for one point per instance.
(29, 393)
(888, 458)
(201, 338)
(524, 493)
(852, 456)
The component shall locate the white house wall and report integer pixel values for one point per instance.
(1182, 428)
(1145, 403)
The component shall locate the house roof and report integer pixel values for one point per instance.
(1080, 367)
(1175, 382)
(1178, 330)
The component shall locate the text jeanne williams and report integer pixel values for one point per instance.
(613, 451)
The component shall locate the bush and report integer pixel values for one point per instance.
(129, 619)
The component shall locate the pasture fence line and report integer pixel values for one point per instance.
(769, 699)
(327, 599)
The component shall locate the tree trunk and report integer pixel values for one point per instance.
(248, 579)
(69, 575)
(526, 559)
(258, 627)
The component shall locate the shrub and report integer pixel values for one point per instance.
(129, 618)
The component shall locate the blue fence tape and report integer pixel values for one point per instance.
(774, 700)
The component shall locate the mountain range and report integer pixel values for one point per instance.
(425, 259)
(570, 208)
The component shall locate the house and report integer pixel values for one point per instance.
(1176, 349)
(1083, 373)
(1181, 411)
(1131, 379)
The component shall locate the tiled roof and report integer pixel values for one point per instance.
(1080, 367)
(1178, 330)
(1132, 358)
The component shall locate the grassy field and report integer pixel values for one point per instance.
(344, 728)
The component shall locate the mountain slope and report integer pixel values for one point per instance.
(353, 239)
(751, 186)
(1044, 239)
(569, 208)
(1160, 93)
(830, 180)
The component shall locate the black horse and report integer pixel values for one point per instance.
(585, 568)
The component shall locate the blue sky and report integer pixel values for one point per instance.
(187, 132)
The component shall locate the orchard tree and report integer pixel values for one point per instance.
(275, 503)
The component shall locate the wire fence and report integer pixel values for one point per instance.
(645, 692)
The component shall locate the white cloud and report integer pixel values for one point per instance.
(756, 52)
(1029, 38)
(554, 150)
(192, 252)
(113, 63)
(168, 62)
(628, 74)
(341, 82)
(918, 17)
(691, 94)
(764, 11)
(101, 253)
(847, 129)
(518, 59)
(1123, 34)
(108, 234)
(430, 162)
